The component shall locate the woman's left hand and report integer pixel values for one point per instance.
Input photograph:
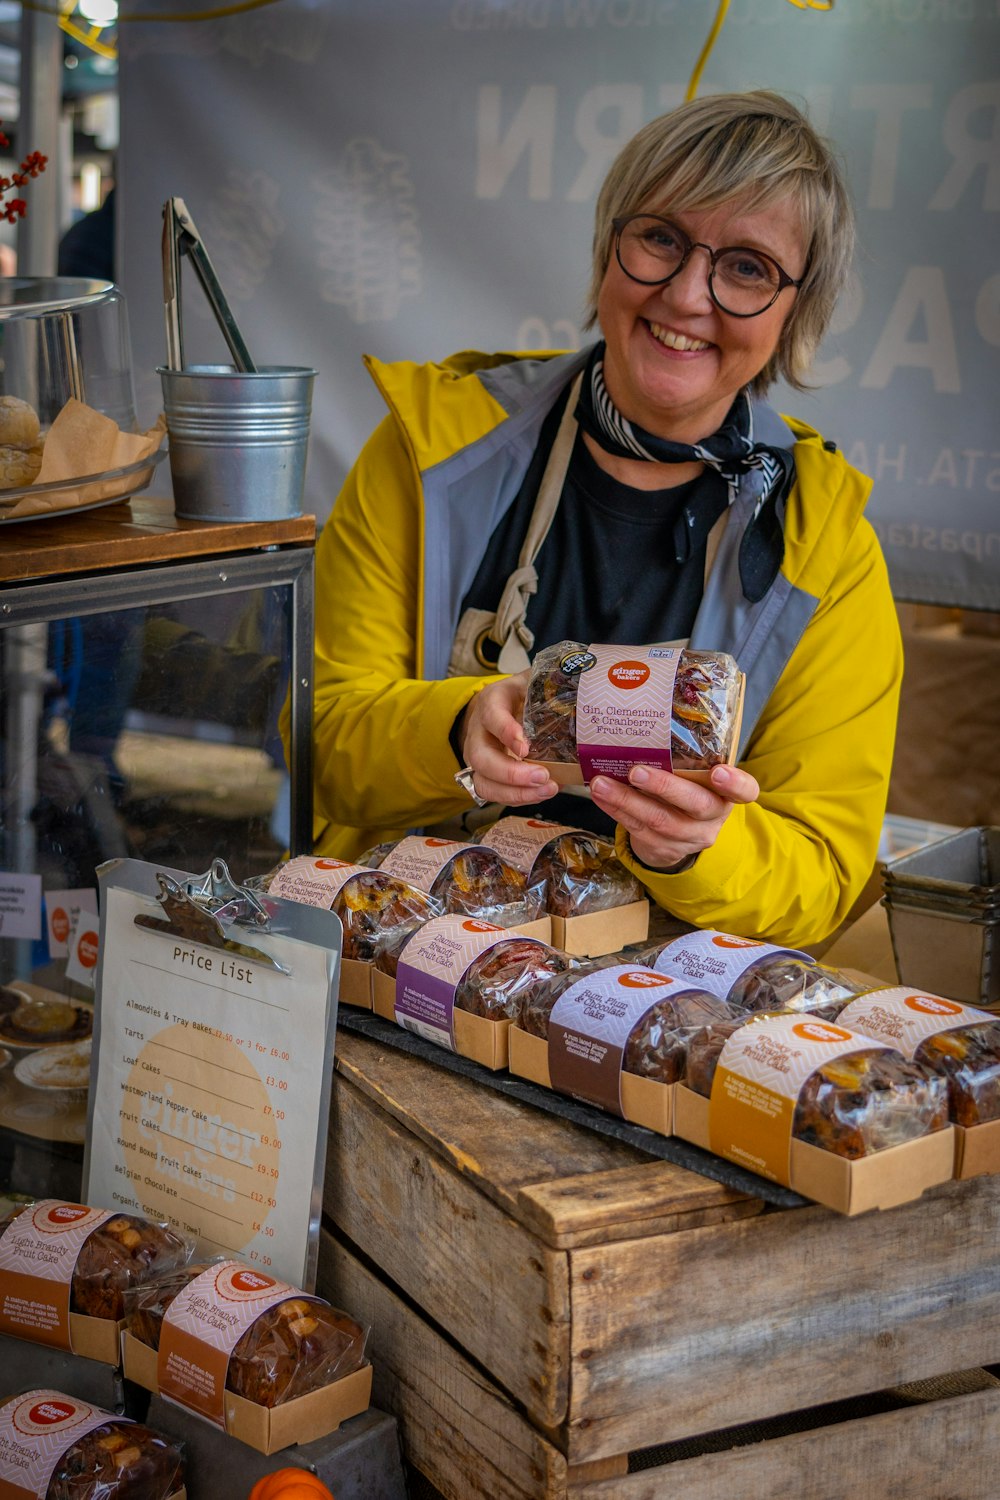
(669, 818)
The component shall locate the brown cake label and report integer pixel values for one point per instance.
(314, 882)
(590, 1025)
(202, 1327)
(760, 1075)
(904, 1018)
(36, 1429)
(38, 1255)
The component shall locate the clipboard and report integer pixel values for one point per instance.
(212, 1062)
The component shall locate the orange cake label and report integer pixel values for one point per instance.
(38, 1255)
(757, 1083)
(36, 1429)
(202, 1327)
(419, 861)
(314, 882)
(904, 1018)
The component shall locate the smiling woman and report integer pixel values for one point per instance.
(638, 490)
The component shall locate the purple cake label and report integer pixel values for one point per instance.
(589, 1027)
(623, 710)
(433, 965)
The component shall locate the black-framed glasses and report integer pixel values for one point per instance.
(742, 282)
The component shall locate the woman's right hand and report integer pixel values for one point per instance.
(494, 745)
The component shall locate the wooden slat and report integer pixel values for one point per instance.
(139, 531)
(538, 1168)
(473, 1269)
(944, 1450)
(689, 1333)
(630, 1202)
(456, 1427)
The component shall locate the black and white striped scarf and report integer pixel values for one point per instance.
(731, 451)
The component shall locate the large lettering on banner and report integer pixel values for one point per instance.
(407, 180)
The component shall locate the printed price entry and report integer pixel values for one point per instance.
(212, 1066)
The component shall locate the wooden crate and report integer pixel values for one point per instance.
(547, 1302)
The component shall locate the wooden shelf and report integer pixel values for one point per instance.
(135, 533)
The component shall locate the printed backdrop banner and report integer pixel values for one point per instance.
(407, 178)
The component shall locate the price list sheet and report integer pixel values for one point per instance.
(212, 1086)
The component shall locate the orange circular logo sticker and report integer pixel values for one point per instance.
(540, 823)
(735, 942)
(628, 674)
(332, 864)
(821, 1031)
(643, 979)
(251, 1282)
(476, 924)
(439, 843)
(60, 924)
(86, 949)
(932, 1005)
(47, 1413)
(67, 1213)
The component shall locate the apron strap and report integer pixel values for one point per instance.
(510, 628)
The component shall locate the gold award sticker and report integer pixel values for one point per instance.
(199, 1137)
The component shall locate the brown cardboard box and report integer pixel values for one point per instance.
(269, 1429)
(600, 932)
(977, 1149)
(883, 1180)
(356, 983)
(644, 1102)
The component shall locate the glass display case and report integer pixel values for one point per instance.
(141, 679)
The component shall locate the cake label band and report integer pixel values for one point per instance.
(905, 1018)
(36, 1429)
(760, 1075)
(38, 1255)
(314, 882)
(623, 710)
(421, 860)
(433, 965)
(589, 1027)
(521, 840)
(716, 960)
(202, 1327)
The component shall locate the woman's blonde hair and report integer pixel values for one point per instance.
(758, 148)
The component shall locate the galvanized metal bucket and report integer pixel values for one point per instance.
(237, 440)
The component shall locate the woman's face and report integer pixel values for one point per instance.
(674, 360)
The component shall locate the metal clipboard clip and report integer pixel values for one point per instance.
(194, 911)
(181, 237)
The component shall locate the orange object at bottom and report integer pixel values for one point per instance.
(290, 1484)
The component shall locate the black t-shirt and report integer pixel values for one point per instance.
(618, 565)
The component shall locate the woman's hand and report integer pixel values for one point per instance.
(669, 818)
(494, 744)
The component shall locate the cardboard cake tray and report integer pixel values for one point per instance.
(269, 1429)
(599, 932)
(476, 1038)
(883, 1180)
(356, 983)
